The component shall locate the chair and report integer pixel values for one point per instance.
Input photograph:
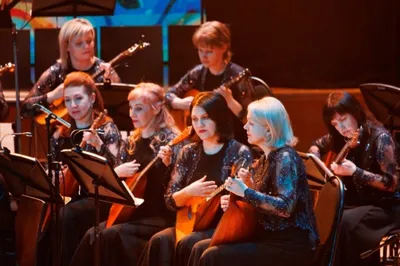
(27, 227)
(328, 207)
(261, 88)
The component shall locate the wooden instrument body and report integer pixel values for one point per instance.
(197, 215)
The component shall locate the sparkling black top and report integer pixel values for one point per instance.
(186, 167)
(281, 193)
(51, 79)
(375, 178)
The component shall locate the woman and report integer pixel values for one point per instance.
(76, 43)
(122, 243)
(213, 42)
(286, 232)
(84, 103)
(368, 173)
(201, 167)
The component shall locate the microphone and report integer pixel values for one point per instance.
(27, 134)
(52, 115)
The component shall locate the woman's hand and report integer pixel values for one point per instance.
(201, 188)
(182, 104)
(236, 186)
(127, 169)
(224, 202)
(346, 168)
(55, 94)
(92, 139)
(109, 72)
(245, 176)
(165, 153)
(226, 93)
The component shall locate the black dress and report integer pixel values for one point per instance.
(192, 164)
(371, 210)
(286, 233)
(123, 243)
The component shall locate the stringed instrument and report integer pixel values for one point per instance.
(9, 67)
(69, 187)
(181, 117)
(58, 107)
(137, 183)
(199, 212)
(238, 223)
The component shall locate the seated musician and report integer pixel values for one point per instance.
(286, 227)
(76, 43)
(213, 42)
(122, 243)
(368, 173)
(84, 103)
(201, 167)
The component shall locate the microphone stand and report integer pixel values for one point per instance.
(17, 91)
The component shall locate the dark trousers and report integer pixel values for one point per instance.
(161, 250)
(362, 229)
(120, 244)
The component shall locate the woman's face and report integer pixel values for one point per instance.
(205, 128)
(211, 56)
(81, 47)
(256, 133)
(141, 113)
(78, 103)
(345, 124)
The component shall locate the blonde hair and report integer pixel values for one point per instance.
(152, 94)
(271, 114)
(72, 28)
(214, 33)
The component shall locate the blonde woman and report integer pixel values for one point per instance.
(76, 43)
(154, 128)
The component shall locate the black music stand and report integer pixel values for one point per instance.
(384, 102)
(99, 180)
(53, 8)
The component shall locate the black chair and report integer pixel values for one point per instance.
(328, 207)
(261, 88)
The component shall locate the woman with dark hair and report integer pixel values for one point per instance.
(123, 242)
(83, 103)
(369, 175)
(201, 167)
(213, 42)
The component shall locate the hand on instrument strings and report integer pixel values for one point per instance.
(92, 139)
(55, 94)
(245, 175)
(236, 186)
(127, 169)
(182, 104)
(226, 93)
(224, 202)
(109, 72)
(346, 168)
(201, 188)
(165, 153)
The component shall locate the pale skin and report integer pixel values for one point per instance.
(347, 126)
(142, 115)
(213, 59)
(81, 51)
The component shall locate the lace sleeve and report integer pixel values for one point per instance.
(38, 94)
(323, 144)
(387, 180)
(178, 178)
(285, 179)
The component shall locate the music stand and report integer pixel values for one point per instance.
(384, 102)
(53, 8)
(100, 182)
(115, 101)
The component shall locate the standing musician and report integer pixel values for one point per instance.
(213, 42)
(76, 42)
(201, 167)
(286, 232)
(368, 173)
(123, 243)
(83, 102)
